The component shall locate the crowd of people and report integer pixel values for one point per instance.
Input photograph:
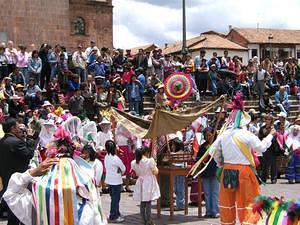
(105, 77)
(92, 80)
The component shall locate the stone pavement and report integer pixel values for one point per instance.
(130, 209)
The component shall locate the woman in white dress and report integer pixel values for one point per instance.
(146, 188)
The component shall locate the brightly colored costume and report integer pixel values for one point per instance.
(232, 153)
(292, 172)
(275, 211)
(66, 195)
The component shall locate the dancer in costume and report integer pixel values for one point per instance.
(292, 172)
(126, 143)
(61, 191)
(232, 152)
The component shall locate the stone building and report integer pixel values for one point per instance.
(67, 22)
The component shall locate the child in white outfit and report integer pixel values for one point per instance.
(146, 188)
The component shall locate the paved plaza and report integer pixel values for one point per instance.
(130, 209)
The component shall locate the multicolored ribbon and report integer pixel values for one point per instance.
(61, 195)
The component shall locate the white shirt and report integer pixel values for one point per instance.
(101, 138)
(225, 146)
(261, 74)
(79, 59)
(98, 171)
(112, 164)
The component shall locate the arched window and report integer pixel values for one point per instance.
(79, 25)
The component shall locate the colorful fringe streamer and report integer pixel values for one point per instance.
(275, 211)
(62, 195)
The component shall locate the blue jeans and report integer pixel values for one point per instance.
(81, 73)
(211, 188)
(179, 191)
(115, 195)
(134, 106)
(214, 87)
(54, 72)
(24, 71)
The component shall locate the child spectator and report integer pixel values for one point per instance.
(53, 89)
(213, 76)
(134, 94)
(114, 170)
(73, 84)
(146, 188)
(89, 154)
(211, 185)
(160, 97)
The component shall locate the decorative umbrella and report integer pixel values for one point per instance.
(227, 73)
(178, 86)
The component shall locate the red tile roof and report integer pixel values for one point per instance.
(148, 47)
(206, 40)
(261, 35)
(216, 41)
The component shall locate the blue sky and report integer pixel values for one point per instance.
(138, 22)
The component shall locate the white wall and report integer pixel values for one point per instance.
(220, 52)
(253, 46)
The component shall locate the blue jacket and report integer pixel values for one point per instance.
(99, 69)
(279, 98)
(138, 88)
(72, 86)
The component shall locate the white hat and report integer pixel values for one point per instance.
(104, 121)
(282, 114)
(46, 103)
(252, 111)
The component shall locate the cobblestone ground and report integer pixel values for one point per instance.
(130, 209)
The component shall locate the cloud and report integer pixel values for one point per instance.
(138, 22)
(171, 3)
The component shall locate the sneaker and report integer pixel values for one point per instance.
(215, 216)
(118, 220)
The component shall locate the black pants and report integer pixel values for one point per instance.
(268, 162)
(201, 81)
(45, 75)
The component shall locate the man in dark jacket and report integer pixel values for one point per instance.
(76, 103)
(15, 154)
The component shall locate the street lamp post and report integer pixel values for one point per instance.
(270, 38)
(184, 50)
